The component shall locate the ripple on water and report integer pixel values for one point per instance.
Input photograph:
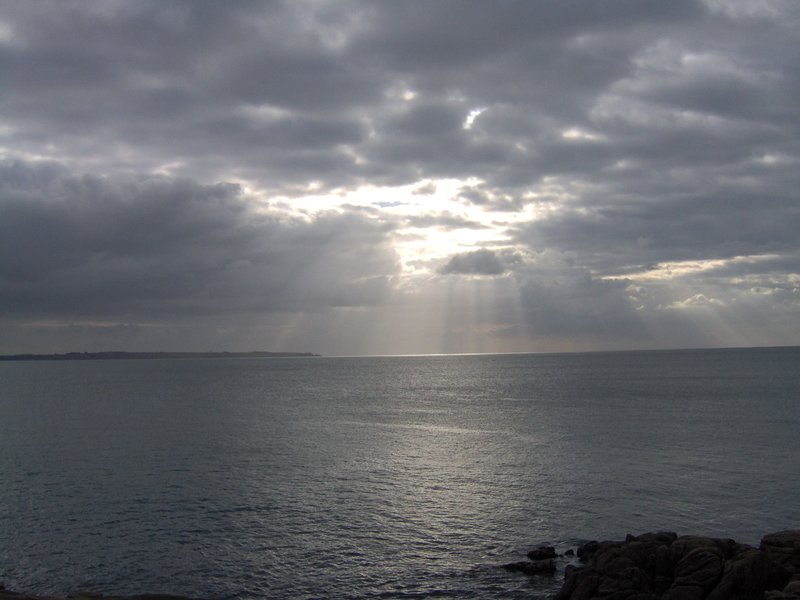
(390, 478)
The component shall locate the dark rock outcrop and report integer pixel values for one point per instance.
(783, 548)
(542, 553)
(663, 566)
(541, 561)
(532, 567)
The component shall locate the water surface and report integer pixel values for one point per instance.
(380, 477)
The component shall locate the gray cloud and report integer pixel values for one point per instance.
(115, 247)
(152, 155)
(615, 235)
(562, 299)
(478, 262)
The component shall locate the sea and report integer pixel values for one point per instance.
(381, 477)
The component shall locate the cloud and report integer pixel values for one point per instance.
(349, 93)
(478, 262)
(562, 299)
(158, 246)
(445, 220)
(426, 189)
(698, 300)
(305, 85)
(216, 159)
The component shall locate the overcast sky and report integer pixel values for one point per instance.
(399, 177)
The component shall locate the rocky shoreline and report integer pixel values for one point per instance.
(665, 566)
(651, 566)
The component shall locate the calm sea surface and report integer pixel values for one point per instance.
(380, 477)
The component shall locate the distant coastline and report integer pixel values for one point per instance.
(152, 355)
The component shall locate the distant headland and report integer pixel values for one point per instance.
(152, 355)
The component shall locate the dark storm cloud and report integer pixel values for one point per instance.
(305, 87)
(557, 298)
(277, 85)
(237, 89)
(88, 246)
(573, 303)
(615, 234)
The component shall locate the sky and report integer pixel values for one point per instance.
(383, 177)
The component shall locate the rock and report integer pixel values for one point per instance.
(587, 550)
(570, 570)
(612, 561)
(660, 537)
(608, 586)
(780, 595)
(532, 567)
(586, 586)
(783, 548)
(572, 575)
(683, 545)
(700, 567)
(542, 553)
(661, 584)
(636, 551)
(668, 567)
(662, 564)
(683, 592)
(788, 541)
(569, 552)
(748, 576)
(630, 580)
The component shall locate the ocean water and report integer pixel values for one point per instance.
(401, 477)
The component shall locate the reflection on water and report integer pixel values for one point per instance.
(382, 477)
(433, 428)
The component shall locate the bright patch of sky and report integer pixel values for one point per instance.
(422, 246)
